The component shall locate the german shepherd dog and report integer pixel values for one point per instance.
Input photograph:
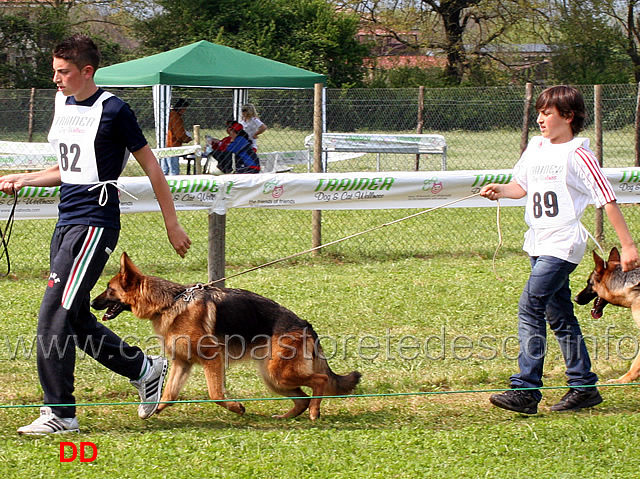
(608, 284)
(208, 325)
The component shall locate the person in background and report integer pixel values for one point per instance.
(176, 136)
(218, 149)
(252, 124)
(91, 157)
(560, 176)
(246, 159)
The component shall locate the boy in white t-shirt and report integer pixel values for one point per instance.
(560, 177)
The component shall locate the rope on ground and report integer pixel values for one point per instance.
(347, 396)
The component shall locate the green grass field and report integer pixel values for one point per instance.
(431, 333)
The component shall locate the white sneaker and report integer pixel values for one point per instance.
(150, 386)
(49, 423)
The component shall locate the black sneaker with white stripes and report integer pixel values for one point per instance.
(516, 400)
(578, 398)
(49, 423)
(150, 386)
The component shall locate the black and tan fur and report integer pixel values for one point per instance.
(606, 284)
(210, 326)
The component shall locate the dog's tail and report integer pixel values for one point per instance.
(341, 385)
(337, 385)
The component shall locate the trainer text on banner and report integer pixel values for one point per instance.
(308, 191)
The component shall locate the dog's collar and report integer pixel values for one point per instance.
(187, 294)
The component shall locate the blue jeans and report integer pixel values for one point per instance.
(547, 299)
(170, 166)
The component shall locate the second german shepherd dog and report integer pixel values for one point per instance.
(208, 325)
(607, 283)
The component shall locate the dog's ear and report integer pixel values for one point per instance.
(614, 255)
(598, 261)
(129, 273)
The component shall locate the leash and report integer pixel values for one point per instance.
(6, 234)
(340, 240)
(495, 253)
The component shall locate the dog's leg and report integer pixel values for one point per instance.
(290, 368)
(634, 371)
(214, 372)
(631, 375)
(178, 375)
(316, 382)
(300, 404)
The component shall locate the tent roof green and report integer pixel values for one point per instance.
(205, 64)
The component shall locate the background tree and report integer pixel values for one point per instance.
(29, 33)
(589, 48)
(626, 15)
(308, 34)
(461, 29)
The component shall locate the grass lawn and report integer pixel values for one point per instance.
(424, 332)
(416, 308)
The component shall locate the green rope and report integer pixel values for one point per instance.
(371, 395)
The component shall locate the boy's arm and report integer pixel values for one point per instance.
(629, 257)
(495, 191)
(48, 177)
(177, 236)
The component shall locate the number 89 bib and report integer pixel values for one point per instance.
(73, 135)
(549, 204)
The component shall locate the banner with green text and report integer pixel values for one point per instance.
(307, 191)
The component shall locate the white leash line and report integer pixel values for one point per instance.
(341, 239)
(495, 254)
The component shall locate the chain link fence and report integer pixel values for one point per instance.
(482, 128)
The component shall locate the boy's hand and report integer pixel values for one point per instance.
(629, 258)
(492, 191)
(179, 240)
(10, 184)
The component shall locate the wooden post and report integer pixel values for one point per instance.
(528, 98)
(197, 168)
(316, 215)
(597, 120)
(420, 122)
(32, 101)
(216, 256)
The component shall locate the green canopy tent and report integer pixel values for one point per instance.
(203, 64)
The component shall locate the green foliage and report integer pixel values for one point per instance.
(41, 29)
(307, 34)
(589, 50)
(408, 77)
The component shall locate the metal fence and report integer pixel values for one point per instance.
(482, 128)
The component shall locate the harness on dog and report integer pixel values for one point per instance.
(187, 294)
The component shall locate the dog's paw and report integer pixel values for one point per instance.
(238, 408)
(620, 380)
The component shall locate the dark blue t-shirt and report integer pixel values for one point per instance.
(118, 131)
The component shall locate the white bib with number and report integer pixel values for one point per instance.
(549, 203)
(73, 135)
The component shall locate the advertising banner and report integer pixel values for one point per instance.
(308, 191)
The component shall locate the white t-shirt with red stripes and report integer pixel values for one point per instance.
(561, 180)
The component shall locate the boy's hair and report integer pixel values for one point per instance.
(568, 101)
(80, 50)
